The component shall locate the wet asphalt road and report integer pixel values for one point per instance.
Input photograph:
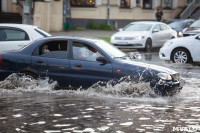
(38, 108)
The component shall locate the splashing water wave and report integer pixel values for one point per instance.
(123, 87)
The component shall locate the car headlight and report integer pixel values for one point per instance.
(167, 43)
(165, 76)
(180, 33)
(112, 37)
(139, 37)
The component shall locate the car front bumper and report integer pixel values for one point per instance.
(168, 88)
(128, 43)
(164, 54)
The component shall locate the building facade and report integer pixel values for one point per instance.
(51, 15)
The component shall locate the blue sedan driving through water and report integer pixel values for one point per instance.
(75, 62)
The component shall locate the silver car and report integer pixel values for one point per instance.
(16, 36)
(143, 35)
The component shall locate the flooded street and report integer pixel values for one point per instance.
(38, 108)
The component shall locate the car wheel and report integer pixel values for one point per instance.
(180, 56)
(29, 76)
(148, 45)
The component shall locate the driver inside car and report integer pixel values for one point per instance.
(87, 54)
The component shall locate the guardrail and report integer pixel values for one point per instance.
(190, 8)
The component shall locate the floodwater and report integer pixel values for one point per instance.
(37, 108)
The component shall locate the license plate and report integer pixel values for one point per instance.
(122, 42)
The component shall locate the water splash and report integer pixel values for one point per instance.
(123, 88)
(16, 81)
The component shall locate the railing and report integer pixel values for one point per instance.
(190, 8)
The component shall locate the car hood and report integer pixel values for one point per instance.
(177, 29)
(157, 68)
(130, 33)
(193, 30)
(183, 39)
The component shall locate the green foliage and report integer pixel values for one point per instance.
(91, 25)
(105, 38)
(77, 28)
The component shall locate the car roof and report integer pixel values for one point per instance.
(17, 25)
(184, 20)
(90, 39)
(147, 22)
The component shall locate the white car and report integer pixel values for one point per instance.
(181, 50)
(16, 36)
(143, 34)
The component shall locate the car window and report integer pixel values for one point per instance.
(177, 25)
(7, 34)
(163, 27)
(110, 50)
(156, 27)
(82, 51)
(137, 27)
(54, 49)
(196, 24)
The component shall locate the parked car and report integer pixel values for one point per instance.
(16, 36)
(83, 62)
(170, 21)
(181, 25)
(143, 35)
(193, 29)
(181, 50)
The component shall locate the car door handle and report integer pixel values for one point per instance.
(39, 61)
(21, 45)
(78, 65)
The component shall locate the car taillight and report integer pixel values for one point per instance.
(0, 60)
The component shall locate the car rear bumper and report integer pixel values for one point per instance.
(4, 74)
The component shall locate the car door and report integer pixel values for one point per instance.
(12, 38)
(196, 49)
(53, 63)
(84, 69)
(167, 33)
(157, 36)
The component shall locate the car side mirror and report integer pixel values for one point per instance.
(101, 59)
(155, 30)
(120, 29)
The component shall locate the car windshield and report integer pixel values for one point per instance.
(111, 50)
(196, 24)
(177, 25)
(137, 27)
(42, 32)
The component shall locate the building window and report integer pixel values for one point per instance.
(82, 3)
(147, 4)
(125, 3)
(167, 4)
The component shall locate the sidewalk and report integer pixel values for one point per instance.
(85, 33)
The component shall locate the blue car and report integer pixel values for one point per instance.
(73, 61)
(181, 25)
